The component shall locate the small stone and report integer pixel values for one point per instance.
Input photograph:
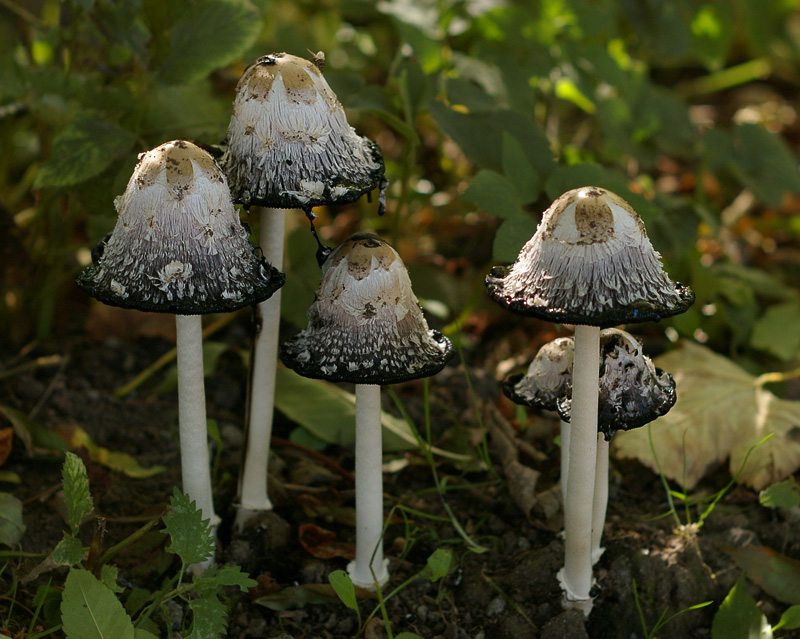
(497, 606)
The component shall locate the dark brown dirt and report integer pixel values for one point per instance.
(509, 591)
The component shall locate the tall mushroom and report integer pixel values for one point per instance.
(591, 264)
(366, 327)
(633, 392)
(179, 247)
(288, 146)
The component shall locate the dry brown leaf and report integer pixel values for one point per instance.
(6, 439)
(722, 411)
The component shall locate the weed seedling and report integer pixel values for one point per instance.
(662, 620)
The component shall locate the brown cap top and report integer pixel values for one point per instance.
(633, 392)
(178, 245)
(589, 262)
(365, 325)
(289, 144)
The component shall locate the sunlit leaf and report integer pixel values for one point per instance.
(81, 150)
(790, 619)
(438, 565)
(775, 573)
(784, 494)
(738, 616)
(11, 526)
(721, 412)
(209, 35)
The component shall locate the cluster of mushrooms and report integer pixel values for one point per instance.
(179, 247)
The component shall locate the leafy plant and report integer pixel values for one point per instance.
(738, 617)
(662, 620)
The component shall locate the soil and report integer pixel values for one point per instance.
(508, 591)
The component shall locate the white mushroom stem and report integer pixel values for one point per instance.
(600, 502)
(564, 459)
(369, 491)
(195, 465)
(253, 489)
(576, 576)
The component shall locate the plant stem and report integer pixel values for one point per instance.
(253, 489)
(576, 576)
(195, 466)
(369, 491)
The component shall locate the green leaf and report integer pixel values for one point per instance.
(209, 35)
(11, 526)
(438, 565)
(89, 610)
(511, 236)
(81, 150)
(76, 491)
(775, 573)
(141, 633)
(480, 136)
(209, 618)
(68, 551)
(217, 577)
(407, 635)
(777, 331)
(190, 534)
(790, 619)
(738, 616)
(298, 597)
(330, 412)
(108, 575)
(765, 164)
(344, 588)
(495, 194)
(519, 170)
(784, 494)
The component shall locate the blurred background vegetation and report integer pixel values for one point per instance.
(486, 110)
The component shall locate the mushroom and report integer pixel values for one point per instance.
(178, 247)
(590, 263)
(288, 145)
(633, 392)
(366, 327)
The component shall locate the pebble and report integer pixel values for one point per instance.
(497, 605)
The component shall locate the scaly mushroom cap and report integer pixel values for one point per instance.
(549, 376)
(178, 245)
(289, 144)
(589, 262)
(365, 325)
(633, 392)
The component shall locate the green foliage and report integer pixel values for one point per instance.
(784, 494)
(76, 491)
(190, 535)
(738, 616)
(662, 620)
(11, 526)
(90, 610)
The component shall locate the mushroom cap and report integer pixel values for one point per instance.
(549, 376)
(178, 245)
(365, 325)
(633, 392)
(289, 144)
(590, 262)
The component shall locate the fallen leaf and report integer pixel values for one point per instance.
(322, 544)
(11, 526)
(773, 572)
(6, 438)
(298, 597)
(121, 462)
(722, 412)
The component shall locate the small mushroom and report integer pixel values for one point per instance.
(366, 327)
(590, 263)
(288, 145)
(179, 247)
(633, 392)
